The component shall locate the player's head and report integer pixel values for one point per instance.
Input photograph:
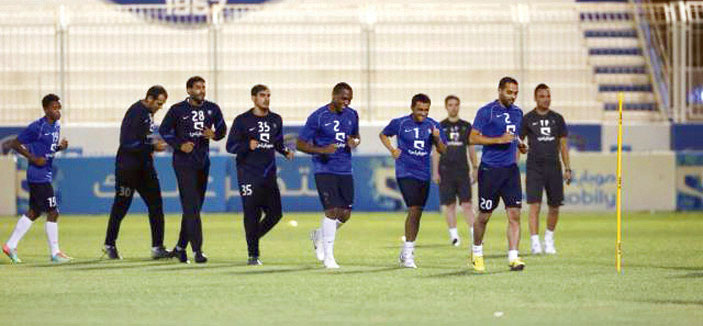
(261, 96)
(52, 106)
(342, 95)
(155, 98)
(420, 105)
(195, 86)
(543, 97)
(451, 103)
(507, 91)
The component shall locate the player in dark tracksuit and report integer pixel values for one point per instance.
(255, 137)
(187, 128)
(134, 170)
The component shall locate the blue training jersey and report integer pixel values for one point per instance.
(42, 140)
(493, 120)
(325, 127)
(415, 144)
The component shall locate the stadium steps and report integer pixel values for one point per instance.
(616, 56)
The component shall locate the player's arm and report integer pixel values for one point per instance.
(307, 134)
(238, 141)
(435, 166)
(133, 133)
(477, 138)
(353, 140)
(564, 149)
(278, 142)
(16, 145)
(220, 125)
(167, 130)
(439, 139)
(386, 141)
(474, 163)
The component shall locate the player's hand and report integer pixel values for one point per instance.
(290, 155)
(395, 153)
(522, 147)
(209, 133)
(63, 144)
(329, 149)
(38, 161)
(187, 147)
(436, 178)
(253, 143)
(435, 132)
(567, 177)
(507, 138)
(353, 142)
(160, 146)
(474, 176)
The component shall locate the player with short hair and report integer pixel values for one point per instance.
(451, 169)
(255, 137)
(547, 134)
(134, 170)
(329, 135)
(187, 128)
(495, 127)
(39, 143)
(415, 134)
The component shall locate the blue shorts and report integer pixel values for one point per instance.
(41, 197)
(335, 190)
(414, 191)
(498, 182)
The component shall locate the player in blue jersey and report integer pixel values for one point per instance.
(415, 135)
(329, 135)
(187, 128)
(39, 142)
(496, 127)
(134, 171)
(255, 137)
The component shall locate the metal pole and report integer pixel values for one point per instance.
(213, 33)
(61, 30)
(368, 31)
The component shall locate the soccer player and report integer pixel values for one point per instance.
(39, 142)
(329, 135)
(187, 127)
(255, 137)
(134, 170)
(451, 170)
(415, 134)
(546, 133)
(495, 127)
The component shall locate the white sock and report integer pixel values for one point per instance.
(339, 223)
(52, 236)
(408, 247)
(477, 250)
(453, 233)
(471, 231)
(329, 228)
(535, 238)
(512, 255)
(548, 235)
(22, 226)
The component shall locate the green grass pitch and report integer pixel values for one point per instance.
(662, 282)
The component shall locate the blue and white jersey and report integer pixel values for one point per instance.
(42, 140)
(494, 120)
(325, 127)
(415, 144)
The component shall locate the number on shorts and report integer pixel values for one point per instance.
(485, 204)
(124, 191)
(52, 201)
(246, 190)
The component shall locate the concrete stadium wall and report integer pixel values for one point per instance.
(8, 195)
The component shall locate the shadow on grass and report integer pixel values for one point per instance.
(109, 265)
(368, 271)
(676, 302)
(260, 270)
(178, 266)
(464, 273)
(691, 275)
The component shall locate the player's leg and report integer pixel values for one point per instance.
(512, 196)
(24, 223)
(124, 192)
(447, 198)
(190, 204)
(272, 208)
(150, 191)
(197, 235)
(51, 227)
(464, 194)
(534, 183)
(252, 215)
(555, 198)
(415, 194)
(489, 182)
(328, 188)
